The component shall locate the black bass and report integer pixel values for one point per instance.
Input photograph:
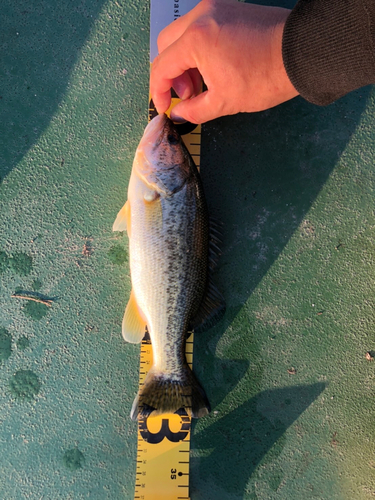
(167, 222)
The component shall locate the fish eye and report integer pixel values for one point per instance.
(172, 139)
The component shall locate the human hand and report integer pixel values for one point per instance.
(235, 47)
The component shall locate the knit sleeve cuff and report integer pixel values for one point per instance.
(329, 47)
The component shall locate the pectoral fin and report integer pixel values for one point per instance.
(122, 222)
(133, 325)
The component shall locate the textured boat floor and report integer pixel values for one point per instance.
(287, 371)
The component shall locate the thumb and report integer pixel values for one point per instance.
(198, 109)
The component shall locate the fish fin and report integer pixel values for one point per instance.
(122, 222)
(211, 310)
(133, 324)
(214, 251)
(162, 393)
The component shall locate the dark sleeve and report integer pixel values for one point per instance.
(329, 47)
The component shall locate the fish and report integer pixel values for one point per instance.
(171, 253)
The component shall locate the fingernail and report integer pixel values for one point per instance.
(176, 118)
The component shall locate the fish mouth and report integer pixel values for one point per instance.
(153, 134)
(151, 140)
(154, 165)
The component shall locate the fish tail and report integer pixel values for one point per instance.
(163, 393)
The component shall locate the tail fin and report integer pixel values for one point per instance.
(162, 393)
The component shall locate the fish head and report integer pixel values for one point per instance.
(162, 160)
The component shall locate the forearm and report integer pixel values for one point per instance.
(329, 47)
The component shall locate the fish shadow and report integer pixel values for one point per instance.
(241, 440)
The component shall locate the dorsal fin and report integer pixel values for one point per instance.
(214, 250)
(211, 310)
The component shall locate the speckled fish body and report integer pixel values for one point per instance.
(167, 222)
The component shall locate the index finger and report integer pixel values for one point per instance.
(171, 63)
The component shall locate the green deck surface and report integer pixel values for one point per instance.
(291, 389)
